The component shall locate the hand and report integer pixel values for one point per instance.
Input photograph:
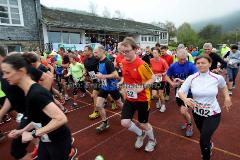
(14, 133)
(100, 76)
(189, 102)
(26, 137)
(227, 104)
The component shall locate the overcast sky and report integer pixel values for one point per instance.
(176, 11)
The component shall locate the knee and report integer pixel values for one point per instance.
(126, 123)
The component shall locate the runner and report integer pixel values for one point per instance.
(159, 67)
(233, 61)
(169, 59)
(108, 77)
(91, 67)
(206, 110)
(176, 75)
(48, 121)
(137, 80)
(77, 71)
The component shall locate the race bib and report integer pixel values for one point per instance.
(43, 138)
(132, 94)
(92, 75)
(104, 82)
(204, 110)
(158, 79)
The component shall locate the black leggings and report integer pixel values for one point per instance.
(206, 126)
(80, 85)
(167, 89)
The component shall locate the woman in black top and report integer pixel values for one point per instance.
(48, 121)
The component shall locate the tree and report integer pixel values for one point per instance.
(106, 12)
(93, 8)
(211, 33)
(119, 14)
(186, 35)
(172, 30)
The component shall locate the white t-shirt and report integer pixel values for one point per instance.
(204, 88)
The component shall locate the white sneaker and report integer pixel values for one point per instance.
(163, 108)
(19, 117)
(140, 140)
(150, 145)
(158, 104)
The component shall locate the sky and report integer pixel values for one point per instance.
(176, 11)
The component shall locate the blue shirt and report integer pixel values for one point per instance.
(181, 71)
(106, 67)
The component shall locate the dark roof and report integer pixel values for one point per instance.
(66, 19)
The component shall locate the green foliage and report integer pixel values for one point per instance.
(172, 30)
(187, 35)
(211, 33)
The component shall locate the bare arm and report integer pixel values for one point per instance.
(46, 81)
(227, 99)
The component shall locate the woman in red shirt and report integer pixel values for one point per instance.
(159, 67)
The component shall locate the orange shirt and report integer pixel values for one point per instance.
(160, 66)
(137, 73)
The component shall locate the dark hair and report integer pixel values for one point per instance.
(234, 47)
(89, 48)
(205, 56)
(62, 49)
(2, 52)
(130, 41)
(157, 49)
(30, 57)
(17, 61)
(157, 45)
(164, 47)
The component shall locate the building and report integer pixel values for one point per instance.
(25, 24)
(73, 28)
(19, 24)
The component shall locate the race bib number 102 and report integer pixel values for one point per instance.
(204, 110)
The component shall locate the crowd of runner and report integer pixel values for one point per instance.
(36, 85)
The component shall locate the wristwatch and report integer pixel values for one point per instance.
(34, 134)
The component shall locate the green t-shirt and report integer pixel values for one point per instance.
(2, 94)
(77, 71)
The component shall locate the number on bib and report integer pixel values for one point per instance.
(92, 75)
(131, 94)
(204, 110)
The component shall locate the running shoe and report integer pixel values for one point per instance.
(102, 127)
(151, 145)
(163, 108)
(74, 105)
(158, 104)
(211, 148)
(140, 140)
(73, 153)
(230, 93)
(66, 98)
(94, 115)
(189, 131)
(183, 126)
(35, 153)
(83, 95)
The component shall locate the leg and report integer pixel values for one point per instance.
(209, 126)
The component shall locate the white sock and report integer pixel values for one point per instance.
(150, 134)
(135, 129)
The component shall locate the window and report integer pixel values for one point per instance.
(65, 38)
(142, 38)
(54, 37)
(74, 38)
(149, 38)
(11, 12)
(14, 48)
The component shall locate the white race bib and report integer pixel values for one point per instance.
(104, 82)
(92, 75)
(204, 110)
(158, 79)
(132, 94)
(43, 138)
